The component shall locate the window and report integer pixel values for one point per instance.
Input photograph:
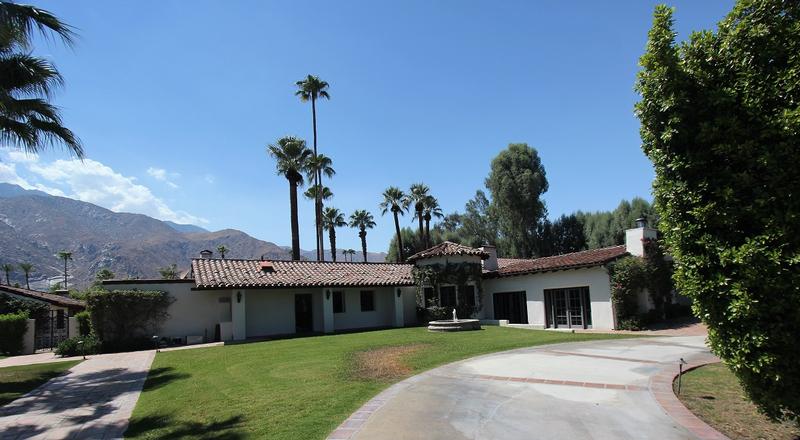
(447, 296)
(338, 302)
(59, 319)
(466, 295)
(367, 301)
(428, 295)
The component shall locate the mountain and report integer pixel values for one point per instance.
(372, 257)
(186, 229)
(34, 226)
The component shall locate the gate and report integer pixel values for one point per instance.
(51, 329)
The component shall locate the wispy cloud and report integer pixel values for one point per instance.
(209, 178)
(162, 175)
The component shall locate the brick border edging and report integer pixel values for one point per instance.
(661, 389)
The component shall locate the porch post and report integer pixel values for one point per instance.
(239, 314)
(397, 294)
(327, 310)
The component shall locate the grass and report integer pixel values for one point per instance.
(713, 393)
(300, 388)
(15, 382)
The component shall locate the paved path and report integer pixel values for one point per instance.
(93, 401)
(592, 390)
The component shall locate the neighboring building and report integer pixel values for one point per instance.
(56, 302)
(54, 326)
(229, 299)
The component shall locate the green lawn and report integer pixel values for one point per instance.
(17, 381)
(713, 394)
(300, 388)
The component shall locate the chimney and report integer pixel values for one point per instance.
(634, 238)
(491, 262)
(62, 292)
(206, 254)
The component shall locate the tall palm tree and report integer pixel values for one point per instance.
(332, 218)
(27, 120)
(8, 269)
(222, 250)
(319, 165)
(362, 220)
(416, 198)
(394, 200)
(312, 88)
(431, 209)
(66, 256)
(27, 268)
(291, 160)
(352, 252)
(311, 193)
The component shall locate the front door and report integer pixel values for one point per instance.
(568, 308)
(303, 319)
(511, 306)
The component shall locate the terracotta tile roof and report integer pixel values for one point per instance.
(214, 273)
(593, 257)
(64, 301)
(448, 248)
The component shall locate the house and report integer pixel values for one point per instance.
(53, 327)
(234, 299)
(59, 302)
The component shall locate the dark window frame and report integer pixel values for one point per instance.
(369, 304)
(341, 302)
(453, 295)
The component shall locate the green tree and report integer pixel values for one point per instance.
(394, 201)
(362, 220)
(311, 193)
(27, 120)
(169, 272)
(222, 250)
(66, 256)
(720, 122)
(352, 252)
(607, 228)
(8, 268)
(478, 223)
(416, 198)
(27, 268)
(291, 160)
(312, 88)
(332, 218)
(320, 165)
(431, 209)
(562, 236)
(517, 181)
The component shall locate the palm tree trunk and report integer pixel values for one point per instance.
(321, 231)
(421, 231)
(8, 283)
(65, 274)
(400, 258)
(295, 227)
(427, 232)
(27, 282)
(317, 183)
(363, 235)
(332, 235)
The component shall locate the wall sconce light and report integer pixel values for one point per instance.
(398, 293)
(327, 294)
(238, 297)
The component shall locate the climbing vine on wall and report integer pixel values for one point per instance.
(456, 274)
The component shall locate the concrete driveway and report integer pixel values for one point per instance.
(591, 390)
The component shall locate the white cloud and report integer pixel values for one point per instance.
(209, 178)
(162, 175)
(22, 157)
(93, 182)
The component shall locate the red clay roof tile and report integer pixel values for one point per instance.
(592, 257)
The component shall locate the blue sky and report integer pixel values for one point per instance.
(176, 101)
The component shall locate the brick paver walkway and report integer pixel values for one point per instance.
(93, 401)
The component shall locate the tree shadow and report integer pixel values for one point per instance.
(221, 430)
(159, 377)
(10, 391)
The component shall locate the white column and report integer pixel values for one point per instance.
(239, 314)
(29, 339)
(397, 294)
(327, 310)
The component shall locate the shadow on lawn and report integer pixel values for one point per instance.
(222, 430)
(9, 391)
(159, 377)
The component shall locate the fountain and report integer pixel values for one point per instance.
(454, 325)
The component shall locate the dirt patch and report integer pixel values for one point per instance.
(385, 363)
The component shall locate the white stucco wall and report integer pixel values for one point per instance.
(353, 317)
(534, 286)
(409, 305)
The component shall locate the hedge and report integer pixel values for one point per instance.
(127, 319)
(12, 329)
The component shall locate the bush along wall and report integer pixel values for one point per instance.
(12, 329)
(127, 319)
(455, 274)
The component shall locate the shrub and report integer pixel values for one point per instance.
(12, 329)
(628, 278)
(125, 319)
(84, 323)
(13, 305)
(633, 323)
(70, 347)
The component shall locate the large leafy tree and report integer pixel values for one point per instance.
(332, 218)
(562, 236)
(27, 119)
(362, 220)
(291, 161)
(394, 200)
(607, 228)
(320, 165)
(517, 181)
(311, 88)
(721, 123)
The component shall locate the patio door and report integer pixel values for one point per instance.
(303, 317)
(568, 308)
(511, 306)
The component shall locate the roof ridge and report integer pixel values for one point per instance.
(297, 261)
(564, 255)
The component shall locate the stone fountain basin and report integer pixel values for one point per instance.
(448, 325)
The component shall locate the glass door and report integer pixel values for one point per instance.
(568, 308)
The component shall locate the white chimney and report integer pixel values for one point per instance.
(634, 238)
(206, 254)
(491, 262)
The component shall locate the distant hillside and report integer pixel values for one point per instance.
(186, 229)
(34, 226)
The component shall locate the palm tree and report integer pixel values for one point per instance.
(352, 252)
(312, 88)
(416, 198)
(66, 256)
(394, 200)
(27, 120)
(317, 166)
(332, 218)
(291, 157)
(8, 269)
(169, 272)
(431, 209)
(222, 250)
(311, 193)
(362, 220)
(27, 268)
